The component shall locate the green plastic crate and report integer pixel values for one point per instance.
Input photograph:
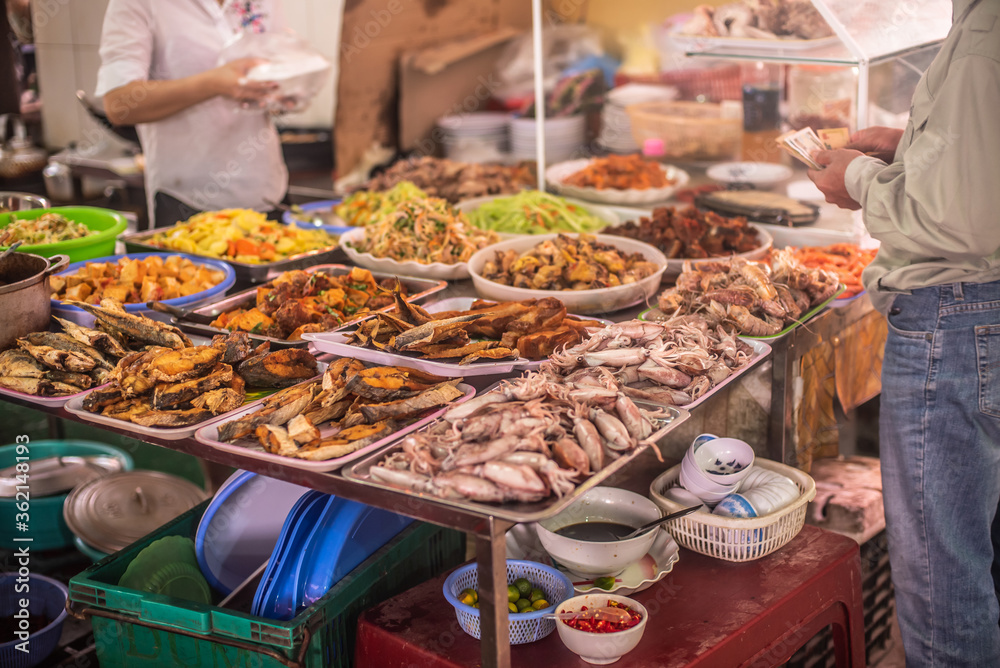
(133, 628)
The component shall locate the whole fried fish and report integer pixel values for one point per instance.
(169, 419)
(168, 395)
(280, 368)
(236, 346)
(61, 341)
(40, 387)
(18, 364)
(219, 401)
(93, 337)
(138, 327)
(276, 409)
(62, 360)
(436, 396)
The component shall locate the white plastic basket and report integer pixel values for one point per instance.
(524, 627)
(732, 538)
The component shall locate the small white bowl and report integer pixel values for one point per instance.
(591, 559)
(725, 460)
(709, 498)
(600, 648)
(693, 474)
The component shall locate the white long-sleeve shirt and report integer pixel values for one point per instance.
(212, 155)
(936, 208)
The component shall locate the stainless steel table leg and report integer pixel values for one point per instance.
(491, 555)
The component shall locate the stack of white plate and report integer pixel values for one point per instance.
(475, 137)
(564, 138)
(616, 129)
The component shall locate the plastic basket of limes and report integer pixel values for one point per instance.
(533, 590)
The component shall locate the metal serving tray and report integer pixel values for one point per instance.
(516, 512)
(417, 290)
(245, 273)
(208, 435)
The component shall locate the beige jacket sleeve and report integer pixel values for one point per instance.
(942, 198)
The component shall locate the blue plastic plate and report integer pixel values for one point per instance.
(311, 502)
(288, 218)
(241, 526)
(348, 533)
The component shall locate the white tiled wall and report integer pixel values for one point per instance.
(67, 35)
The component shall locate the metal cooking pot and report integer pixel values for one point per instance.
(12, 201)
(25, 294)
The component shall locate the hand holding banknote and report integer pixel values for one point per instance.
(878, 142)
(829, 178)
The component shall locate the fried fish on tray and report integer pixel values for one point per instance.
(164, 387)
(351, 407)
(533, 328)
(113, 317)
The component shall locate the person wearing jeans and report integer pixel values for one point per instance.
(931, 196)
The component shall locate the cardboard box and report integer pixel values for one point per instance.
(455, 78)
(375, 34)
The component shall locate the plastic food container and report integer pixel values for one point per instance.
(106, 223)
(81, 317)
(692, 131)
(48, 528)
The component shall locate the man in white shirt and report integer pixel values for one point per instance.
(160, 72)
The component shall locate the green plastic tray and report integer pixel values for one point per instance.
(133, 628)
(108, 224)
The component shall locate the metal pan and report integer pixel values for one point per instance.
(245, 273)
(417, 290)
(516, 512)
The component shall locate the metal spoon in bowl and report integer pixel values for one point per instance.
(605, 613)
(665, 518)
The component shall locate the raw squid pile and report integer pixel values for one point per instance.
(756, 300)
(672, 363)
(532, 437)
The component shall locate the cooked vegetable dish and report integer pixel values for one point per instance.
(425, 230)
(534, 212)
(48, 228)
(241, 235)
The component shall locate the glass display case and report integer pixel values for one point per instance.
(879, 49)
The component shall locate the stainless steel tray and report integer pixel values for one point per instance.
(245, 273)
(514, 512)
(418, 289)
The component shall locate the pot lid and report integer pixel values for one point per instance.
(116, 510)
(55, 475)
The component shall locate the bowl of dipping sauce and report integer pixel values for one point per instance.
(586, 536)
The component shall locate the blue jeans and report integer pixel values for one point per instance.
(939, 439)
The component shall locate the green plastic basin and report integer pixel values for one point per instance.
(107, 225)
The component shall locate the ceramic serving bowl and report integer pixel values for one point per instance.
(600, 648)
(591, 559)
